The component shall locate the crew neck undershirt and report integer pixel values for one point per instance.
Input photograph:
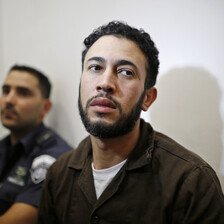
(102, 178)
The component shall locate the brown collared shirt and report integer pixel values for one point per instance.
(161, 182)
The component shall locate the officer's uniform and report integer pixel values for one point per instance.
(24, 166)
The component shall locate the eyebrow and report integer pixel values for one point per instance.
(24, 88)
(17, 87)
(119, 62)
(99, 59)
(126, 62)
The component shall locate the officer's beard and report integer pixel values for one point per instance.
(122, 126)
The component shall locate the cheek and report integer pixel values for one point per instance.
(133, 93)
(29, 108)
(87, 90)
(131, 97)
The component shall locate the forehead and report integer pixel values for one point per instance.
(22, 79)
(117, 48)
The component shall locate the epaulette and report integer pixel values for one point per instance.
(45, 137)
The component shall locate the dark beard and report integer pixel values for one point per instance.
(122, 126)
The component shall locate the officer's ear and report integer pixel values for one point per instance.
(46, 107)
(150, 97)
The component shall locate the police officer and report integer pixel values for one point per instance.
(30, 148)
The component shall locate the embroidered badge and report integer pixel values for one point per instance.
(40, 166)
(19, 176)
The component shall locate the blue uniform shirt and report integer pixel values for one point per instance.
(23, 167)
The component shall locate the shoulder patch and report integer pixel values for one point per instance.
(40, 166)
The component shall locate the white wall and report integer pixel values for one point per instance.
(48, 35)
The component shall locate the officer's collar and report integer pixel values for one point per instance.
(29, 140)
(6, 140)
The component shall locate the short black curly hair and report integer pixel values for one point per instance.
(139, 36)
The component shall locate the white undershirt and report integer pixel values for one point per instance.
(103, 177)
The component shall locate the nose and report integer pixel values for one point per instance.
(107, 82)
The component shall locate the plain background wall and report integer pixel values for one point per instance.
(48, 35)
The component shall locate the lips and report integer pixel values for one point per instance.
(103, 102)
(8, 113)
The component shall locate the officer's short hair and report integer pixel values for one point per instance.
(44, 83)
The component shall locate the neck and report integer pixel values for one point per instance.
(109, 152)
(15, 137)
(18, 134)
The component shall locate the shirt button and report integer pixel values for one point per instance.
(95, 219)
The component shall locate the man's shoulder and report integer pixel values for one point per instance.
(49, 139)
(172, 161)
(167, 150)
(170, 150)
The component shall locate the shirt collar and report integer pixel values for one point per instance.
(29, 140)
(142, 153)
(140, 156)
(81, 155)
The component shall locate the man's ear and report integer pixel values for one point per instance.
(46, 107)
(150, 97)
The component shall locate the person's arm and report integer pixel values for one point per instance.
(20, 213)
(201, 199)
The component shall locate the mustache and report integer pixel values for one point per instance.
(107, 96)
(11, 109)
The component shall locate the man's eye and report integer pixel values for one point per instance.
(23, 92)
(5, 90)
(95, 68)
(126, 72)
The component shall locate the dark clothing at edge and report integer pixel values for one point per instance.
(24, 166)
(161, 182)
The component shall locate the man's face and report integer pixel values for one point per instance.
(112, 86)
(21, 102)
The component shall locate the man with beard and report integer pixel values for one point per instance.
(125, 172)
(30, 148)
